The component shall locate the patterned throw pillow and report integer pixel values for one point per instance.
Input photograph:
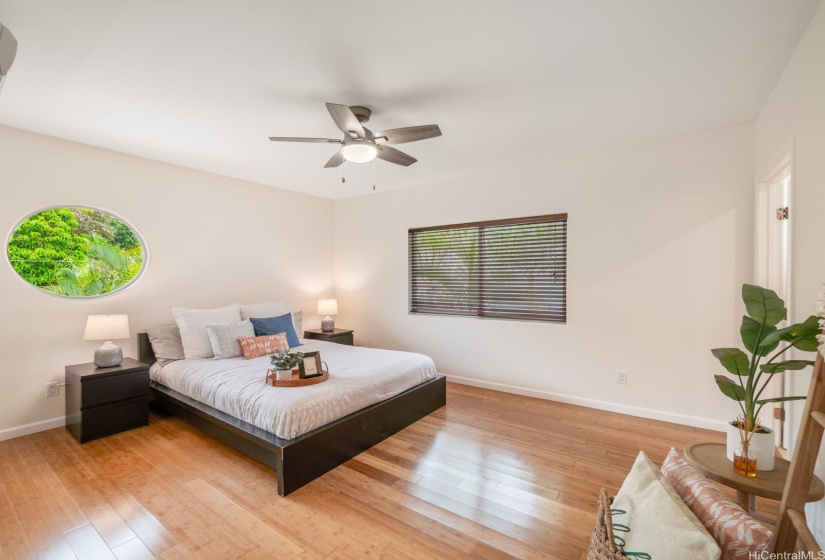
(739, 535)
(224, 338)
(257, 346)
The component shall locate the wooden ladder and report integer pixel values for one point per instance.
(792, 524)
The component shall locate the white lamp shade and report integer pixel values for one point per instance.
(327, 307)
(106, 327)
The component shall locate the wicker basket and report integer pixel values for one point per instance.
(602, 545)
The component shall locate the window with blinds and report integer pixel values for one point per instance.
(503, 269)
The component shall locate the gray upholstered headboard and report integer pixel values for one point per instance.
(145, 352)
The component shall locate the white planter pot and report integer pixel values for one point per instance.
(286, 375)
(762, 445)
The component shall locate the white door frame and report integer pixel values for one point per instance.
(773, 258)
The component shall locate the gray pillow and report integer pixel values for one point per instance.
(224, 338)
(166, 343)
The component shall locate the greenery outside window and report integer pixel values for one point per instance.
(504, 269)
(76, 252)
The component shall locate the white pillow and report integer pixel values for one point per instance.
(224, 338)
(265, 310)
(192, 324)
(659, 521)
(165, 343)
(298, 323)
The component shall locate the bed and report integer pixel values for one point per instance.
(319, 427)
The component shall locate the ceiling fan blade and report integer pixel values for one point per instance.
(407, 134)
(394, 156)
(293, 139)
(345, 119)
(336, 159)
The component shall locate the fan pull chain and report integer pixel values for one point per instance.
(343, 173)
(373, 174)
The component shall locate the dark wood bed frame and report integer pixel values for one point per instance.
(301, 460)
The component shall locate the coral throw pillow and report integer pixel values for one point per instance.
(257, 346)
(740, 536)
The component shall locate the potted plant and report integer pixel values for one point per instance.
(766, 344)
(284, 361)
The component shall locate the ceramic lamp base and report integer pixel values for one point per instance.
(108, 354)
(327, 325)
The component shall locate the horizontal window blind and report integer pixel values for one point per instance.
(506, 269)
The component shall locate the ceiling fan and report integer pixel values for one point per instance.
(360, 144)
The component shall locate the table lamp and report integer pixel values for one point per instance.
(108, 328)
(327, 307)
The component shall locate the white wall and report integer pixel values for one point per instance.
(212, 240)
(660, 241)
(795, 115)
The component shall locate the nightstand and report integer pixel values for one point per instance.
(339, 336)
(104, 401)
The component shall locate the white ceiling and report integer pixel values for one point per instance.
(203, 83)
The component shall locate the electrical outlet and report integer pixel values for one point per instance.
(53, 389)
(621, 377)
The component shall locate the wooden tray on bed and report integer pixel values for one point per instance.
(296, 381)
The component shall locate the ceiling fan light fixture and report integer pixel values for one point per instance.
(359, 151)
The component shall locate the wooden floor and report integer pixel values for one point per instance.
(492, 475)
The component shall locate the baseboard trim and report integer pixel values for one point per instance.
(695, 421)
(685, 419)
(34, 427)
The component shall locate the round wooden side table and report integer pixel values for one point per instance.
(711, 460)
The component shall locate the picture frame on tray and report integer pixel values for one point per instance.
(310, 366)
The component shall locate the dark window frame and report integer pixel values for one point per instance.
(478, 275)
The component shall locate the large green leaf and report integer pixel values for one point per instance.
(111, 255)
(776, 336)
(733, 360)
(800, 335)
(786, 366)
(763, 305)
(781, 399)
(729, 388)
(804, 334)
(753, 333)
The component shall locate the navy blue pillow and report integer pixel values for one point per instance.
(275, 325)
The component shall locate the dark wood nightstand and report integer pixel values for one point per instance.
(339, 336)
(104, 401)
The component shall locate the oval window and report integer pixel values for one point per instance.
(76, 252)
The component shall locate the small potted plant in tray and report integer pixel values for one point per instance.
(752, 372)
(283, 362)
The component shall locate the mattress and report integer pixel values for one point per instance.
(358, 377)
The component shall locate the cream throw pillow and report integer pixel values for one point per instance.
(192, 324)
(659, 523)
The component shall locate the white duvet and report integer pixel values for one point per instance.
(358, 377)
